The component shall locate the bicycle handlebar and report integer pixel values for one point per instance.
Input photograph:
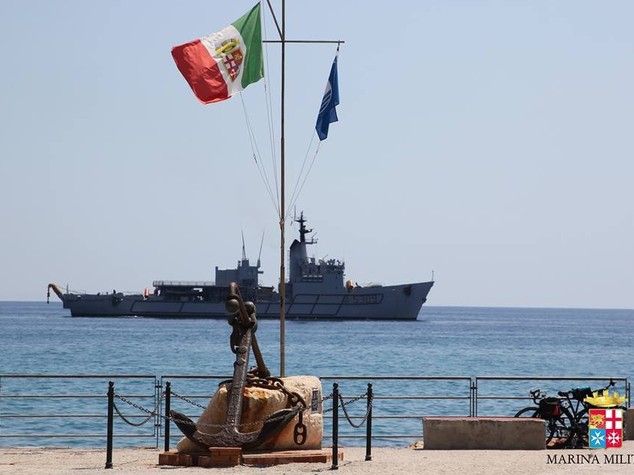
(581, 393)
(537, 394)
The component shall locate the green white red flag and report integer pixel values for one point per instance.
(224, 63)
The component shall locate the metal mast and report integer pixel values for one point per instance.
(282, 33)
(282, 205)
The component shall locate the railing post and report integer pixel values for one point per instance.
(368, 434)
(335, 427)
(168, 393)
(110, 424)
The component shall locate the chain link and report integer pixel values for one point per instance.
(151, 414)
(189, 401)
(345, 411)
(352, 400)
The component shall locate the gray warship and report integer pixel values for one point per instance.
(315, 290)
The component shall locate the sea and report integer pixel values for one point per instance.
(433, 361)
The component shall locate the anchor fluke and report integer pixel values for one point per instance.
(184, 423)
(274, 423)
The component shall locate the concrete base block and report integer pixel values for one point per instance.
(225, 456)
(484, 433)
(263, 459)
(628, 424)
(222, 457)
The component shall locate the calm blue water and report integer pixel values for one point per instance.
(36, 338)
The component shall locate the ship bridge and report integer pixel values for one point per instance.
(308, 275)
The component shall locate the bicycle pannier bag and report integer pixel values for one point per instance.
(549, 408)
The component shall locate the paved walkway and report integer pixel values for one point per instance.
(384, 461)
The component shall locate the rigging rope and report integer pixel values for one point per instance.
(269, 118)
(307, 163)
(256, 153)
(273, 191)
(296, 190)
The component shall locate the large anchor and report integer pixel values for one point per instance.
(243, 320)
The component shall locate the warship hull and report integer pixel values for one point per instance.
(397, 302)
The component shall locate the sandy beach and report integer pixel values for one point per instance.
(384, 461)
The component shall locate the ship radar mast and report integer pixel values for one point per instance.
(303, 230)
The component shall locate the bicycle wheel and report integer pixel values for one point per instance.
(579, 435)
(528, 412)
(560, 430)
(557, 428)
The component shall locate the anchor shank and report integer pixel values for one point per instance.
(240, 370)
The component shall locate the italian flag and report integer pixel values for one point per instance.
(223, 63)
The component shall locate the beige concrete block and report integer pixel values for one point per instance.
(484, 433)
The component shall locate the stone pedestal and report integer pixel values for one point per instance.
(628, 424)
(258, 404)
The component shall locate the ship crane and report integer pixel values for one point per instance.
(57, 291)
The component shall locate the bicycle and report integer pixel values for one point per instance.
(566, 416)
(551, 410)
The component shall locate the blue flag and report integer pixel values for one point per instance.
(327, 112)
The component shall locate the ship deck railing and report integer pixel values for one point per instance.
(71, 410)
(182, 283)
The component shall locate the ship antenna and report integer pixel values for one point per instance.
(261, 244)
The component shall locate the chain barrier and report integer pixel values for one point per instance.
(299, 432)
(366, 419)
(345, 411)
(151, 414)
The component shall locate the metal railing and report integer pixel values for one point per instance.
(400, 401)
(52, 409)
(40, 409)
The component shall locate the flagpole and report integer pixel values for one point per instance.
(282, 286)
(282, 205)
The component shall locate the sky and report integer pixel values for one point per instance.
(485, 143)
